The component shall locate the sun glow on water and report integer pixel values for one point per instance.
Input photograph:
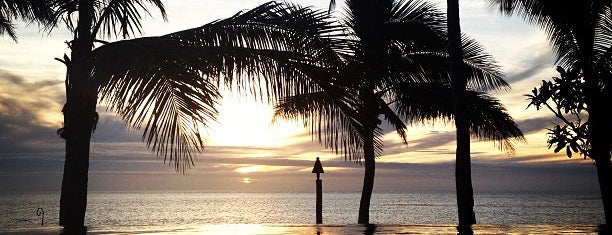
(246, 180)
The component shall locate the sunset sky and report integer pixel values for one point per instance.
(246, 152)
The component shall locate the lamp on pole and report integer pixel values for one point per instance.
(318, 169)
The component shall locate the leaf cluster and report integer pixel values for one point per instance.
(169, 85)
(39, 11)
(394, 70)
(565, 97)
(111, 18)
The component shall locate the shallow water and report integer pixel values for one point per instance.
(293, 213)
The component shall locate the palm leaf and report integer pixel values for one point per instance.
(488, 119)
(123, 17)
(159, 93)
(426, 44)
(333, 124)
(40, 11)
(569, 25)
(8, 28)
(112, 17)
(168, 85)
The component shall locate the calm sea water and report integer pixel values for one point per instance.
(188, 209)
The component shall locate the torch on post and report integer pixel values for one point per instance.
(318, 169)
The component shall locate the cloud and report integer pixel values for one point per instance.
(131, 166)
(26, 107)
(535, 66)
(111, 128)
(533, 125)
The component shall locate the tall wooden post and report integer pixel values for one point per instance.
(318, 169)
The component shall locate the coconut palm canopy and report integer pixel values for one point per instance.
(393, 68)
(573, 27)
(396, 51)
(579, 32)
(168, 85)
(28, 10)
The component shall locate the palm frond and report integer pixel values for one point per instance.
(168, 85)
(488, 118)
(603, 33)
(424, 49)
(430, 65)
(569, 25)
(123, 17)
(417, 19)
(271, 28)
(413, 101)
(392, 118)
(482, 70)
(8, 28)
(39, 11)
(155, 91)
(113, 18)
(333, 124)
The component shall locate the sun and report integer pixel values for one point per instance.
(246, 122)
(246, 180)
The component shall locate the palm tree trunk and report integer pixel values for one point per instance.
(604, 175)
(600, 150)
(368, 179)
(463, 175)
(79, 120)
(73, 199)
(597, 134)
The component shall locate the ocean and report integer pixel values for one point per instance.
(206, 211)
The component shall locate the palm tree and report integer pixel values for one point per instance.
(580, 32)
(389, 67)
(463, 165)
(167, 85)
(29, 10)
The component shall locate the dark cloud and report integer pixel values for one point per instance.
(532, 125)
(25, 86)
(434, 140)
(22, 107)
(537, 65)
(112, 128)
(144, 172)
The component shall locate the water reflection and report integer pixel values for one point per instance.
(287, 229)
(465, 230)
(369, 229)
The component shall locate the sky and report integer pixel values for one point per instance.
(246, 152)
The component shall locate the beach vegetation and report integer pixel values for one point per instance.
(392, 70)
(580, 34)
(167, 86)
(32, 11)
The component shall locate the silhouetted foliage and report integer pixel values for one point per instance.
(39, 11)
(579, 32)
(567, 94)
(392, 63)
(168, 85)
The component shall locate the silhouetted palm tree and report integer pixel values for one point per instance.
(40, 11)
(580, 33)
(392, 66)
(167, 85)
(463, 165)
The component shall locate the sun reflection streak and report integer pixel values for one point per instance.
(246, 180)
(244, 229)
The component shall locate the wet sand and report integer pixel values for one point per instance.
(271, 229)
